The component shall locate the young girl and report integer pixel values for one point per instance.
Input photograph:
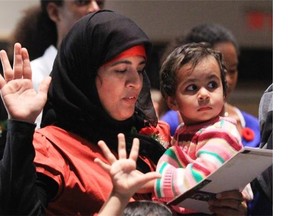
(221, 39)
(193, 83)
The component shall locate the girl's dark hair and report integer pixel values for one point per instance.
(191, 53)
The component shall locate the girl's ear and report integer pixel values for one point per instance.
(171, 103)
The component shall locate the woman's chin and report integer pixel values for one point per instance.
(124, 116)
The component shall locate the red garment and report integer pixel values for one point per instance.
(69, 160)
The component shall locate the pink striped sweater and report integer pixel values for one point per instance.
(196, 151)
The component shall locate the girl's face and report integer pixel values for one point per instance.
(119, 84)
(230, 58)
(199, 94)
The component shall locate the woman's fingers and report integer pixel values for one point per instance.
(2, 80)
(235, 208)
(228, 203)
(18, 62)
(27, 73)
(7, 70)
(44, 86)
(234, 194)
(21, 64)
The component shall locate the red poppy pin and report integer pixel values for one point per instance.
(248, 134)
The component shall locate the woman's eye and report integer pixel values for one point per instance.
(121, 71)
(141, 71)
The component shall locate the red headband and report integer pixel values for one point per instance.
(137, 50)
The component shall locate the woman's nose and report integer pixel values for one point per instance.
(136, 79)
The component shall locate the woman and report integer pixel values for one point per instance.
(99, 89)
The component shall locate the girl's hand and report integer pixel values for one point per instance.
(22, 102)
(126, 179)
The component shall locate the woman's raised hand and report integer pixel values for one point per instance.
(22, 102)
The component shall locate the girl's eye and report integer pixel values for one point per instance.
(191, 88)
(212, 85)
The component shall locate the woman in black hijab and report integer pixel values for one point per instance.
(73, 100)
(75, 119)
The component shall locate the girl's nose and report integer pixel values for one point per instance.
(203, 95)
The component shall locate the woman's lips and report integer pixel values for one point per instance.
(131, 99)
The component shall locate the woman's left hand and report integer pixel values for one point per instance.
(229, 203)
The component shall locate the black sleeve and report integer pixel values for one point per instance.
(3, 127)
(22, 191)
(266, 126)
(262, 186)
(265, 180)
(2, 142)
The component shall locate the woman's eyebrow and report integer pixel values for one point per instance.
(121, 62)
(125, 61)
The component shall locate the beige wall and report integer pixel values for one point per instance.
(164, 19)
(10, 12)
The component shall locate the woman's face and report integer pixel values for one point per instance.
(119, 84)
(230, 58)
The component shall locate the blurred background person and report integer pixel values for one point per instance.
(42, 29)
(159, 103)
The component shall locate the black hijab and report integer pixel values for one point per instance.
(73, 102)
